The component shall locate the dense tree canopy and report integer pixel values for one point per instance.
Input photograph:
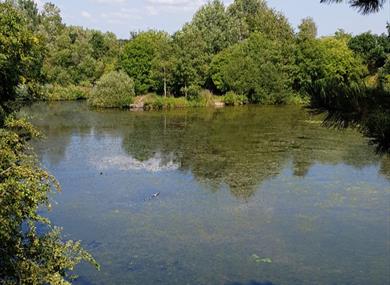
(255, 68)
(20, 56)
(137, 58)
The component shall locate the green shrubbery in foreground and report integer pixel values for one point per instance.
(31, 249)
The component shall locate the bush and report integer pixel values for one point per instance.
(66, 93)
(204, 99)
(113, 90)
(158, 103)
(233, 99)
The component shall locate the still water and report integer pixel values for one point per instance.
(248, 195)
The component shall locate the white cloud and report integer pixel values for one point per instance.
(109, 1)
(151, 10)
(122, 15)
(86, 15)
(157, 6)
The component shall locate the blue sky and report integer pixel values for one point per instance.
(123, 16)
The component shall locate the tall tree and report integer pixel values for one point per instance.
(20, 54)
(256, 16)
(256, 68)
(137, 57)
(191, 64)
(307, 29)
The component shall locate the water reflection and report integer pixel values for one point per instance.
(124, 162)
(240, 147)
(253, 195)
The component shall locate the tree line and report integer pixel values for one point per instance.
(243, 53)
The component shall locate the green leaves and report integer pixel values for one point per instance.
(255, 68)
(113, 90)
(26, 256)
(20, 54)
(138, 56)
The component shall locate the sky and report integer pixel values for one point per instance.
(123, 16)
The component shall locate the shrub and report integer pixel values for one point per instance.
(113, 90)
(377, 127)
(233, 99)
(204, 99)
(66, 93)
(158, 103)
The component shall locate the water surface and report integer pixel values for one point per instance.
(249, 195)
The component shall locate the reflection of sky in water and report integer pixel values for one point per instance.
(124, 162)
(311, 209)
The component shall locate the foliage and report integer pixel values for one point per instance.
(377, 127)
(113, 90)
(154, 102)
(329, 72)
(31, 249)
(29, 256)
(55, 92)
(233, 99)
(191, 60)
(205, 98)
(216, 28)
(372, 48)
(79, 55)
(162, 65)
(137, 59)
(20, 56)
(307, 29)
(256, 68)
(255, 16)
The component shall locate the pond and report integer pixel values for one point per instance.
(248, 195)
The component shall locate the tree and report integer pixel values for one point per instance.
(307, 29)
(373, 48)
(20, 54)
(255, 16)
(30, 11)
(330, 73)
(215, 26)
(79, 56)
(162, 66)
(363, 6)
(137, 57)
(256, 68)
(191, 64)
(51, 22)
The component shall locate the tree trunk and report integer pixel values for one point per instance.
(165, 84)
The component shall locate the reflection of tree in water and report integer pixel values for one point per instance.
(237, 147)
(242, 147)
(385, 166)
